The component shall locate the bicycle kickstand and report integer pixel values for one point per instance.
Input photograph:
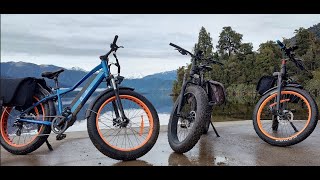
(49, 145)
(214, 129)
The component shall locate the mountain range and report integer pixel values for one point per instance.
(69, 77)
(156, 87)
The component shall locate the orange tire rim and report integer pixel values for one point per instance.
(4, 123)
(146, 110)
(273, 96)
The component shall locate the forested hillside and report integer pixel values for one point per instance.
(243, 66)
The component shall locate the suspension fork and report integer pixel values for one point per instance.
(281, 75)
(117, 105)
(279, 93)
(183, 88)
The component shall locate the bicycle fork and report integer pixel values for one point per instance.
(183, 88)
(280, 76)
(117, 105)
(279, 111)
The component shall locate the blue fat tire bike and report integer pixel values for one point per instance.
(122, 124)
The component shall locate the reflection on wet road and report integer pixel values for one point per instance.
(238, 146)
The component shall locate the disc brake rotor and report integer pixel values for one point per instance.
(287, 118)
(186, 123)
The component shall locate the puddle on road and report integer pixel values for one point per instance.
(220, 161)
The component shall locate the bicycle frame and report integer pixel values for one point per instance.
(185, 83)
(104, 73)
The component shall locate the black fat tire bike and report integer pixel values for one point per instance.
(286, 114)
(191, 114)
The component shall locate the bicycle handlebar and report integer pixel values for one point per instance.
(113, 47)
(176, 46)
(185, 52)
(115, 39)
(182, 51)
(288, 52)
(281, 45)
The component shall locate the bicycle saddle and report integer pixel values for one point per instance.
(53, 74)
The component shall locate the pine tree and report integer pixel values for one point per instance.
(204, 43)
(229, 41)
(268, 59)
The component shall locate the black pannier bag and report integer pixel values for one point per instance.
(216, 92)
(19, 92)
(265, 83)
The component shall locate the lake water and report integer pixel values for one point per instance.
(162, 102)
(236, 108)
(231, 111)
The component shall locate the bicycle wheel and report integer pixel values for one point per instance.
(300, 117)
(185, 130)
(123, 140)
(22, 137)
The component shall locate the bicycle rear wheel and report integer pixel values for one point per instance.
(21, 137)
(123, 140)
(300, 117)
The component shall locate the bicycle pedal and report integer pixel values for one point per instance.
(60, 137)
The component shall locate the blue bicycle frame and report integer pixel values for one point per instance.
(104, 73)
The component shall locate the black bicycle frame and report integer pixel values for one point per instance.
(185, 83)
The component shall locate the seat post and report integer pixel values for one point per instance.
(56, 83)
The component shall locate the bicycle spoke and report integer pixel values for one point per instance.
(138, 132)
(115, 136)
(137, 139)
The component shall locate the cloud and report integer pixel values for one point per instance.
(39, 38)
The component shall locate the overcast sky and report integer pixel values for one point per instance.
(78, 40)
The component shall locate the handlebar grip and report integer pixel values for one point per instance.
(280, 44)
(115, 39)
(171, 44)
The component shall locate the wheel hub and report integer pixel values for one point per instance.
(286, 118)
(121, 122)
(186, 123)
(29, 126)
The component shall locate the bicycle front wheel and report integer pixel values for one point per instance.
(298, 120)
(123, 139)
(186, 128)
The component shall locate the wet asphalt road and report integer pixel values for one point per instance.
(238, 146)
